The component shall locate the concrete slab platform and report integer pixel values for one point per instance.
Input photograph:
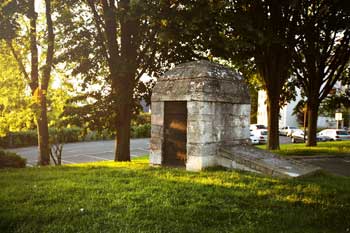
(261, 161)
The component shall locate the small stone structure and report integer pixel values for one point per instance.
(200, 118)
(198, 107)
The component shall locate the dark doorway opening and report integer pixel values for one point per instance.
(175, 133)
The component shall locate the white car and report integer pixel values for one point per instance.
(335, 134)
(298, 136)
(257, 127)
(261, 134)
(254, 139)
(287, 130)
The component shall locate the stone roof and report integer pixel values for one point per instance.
(201, 69)
(201, 81)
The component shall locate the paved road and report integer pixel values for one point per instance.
(104, 150)
(285, 140)
(81, 152)
(335, 165)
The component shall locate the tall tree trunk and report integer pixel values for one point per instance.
(312, 113)
(39, 91)
(43, 133)
(272, 119)
(122, 151)
(122, 62)
(42, 128)
(272, 65)
(126, 82)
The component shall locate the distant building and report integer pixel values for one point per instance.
(286, 113)
(145, 106)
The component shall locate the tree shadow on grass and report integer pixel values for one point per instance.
(145, 199)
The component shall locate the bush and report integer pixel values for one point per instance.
(30, 137)
(67, 134)
(141, 131)
(19, 139)
(141, 119)
(76, 134)
(9, 159)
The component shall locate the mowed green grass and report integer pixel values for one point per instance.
(133, 197)
(323, 148)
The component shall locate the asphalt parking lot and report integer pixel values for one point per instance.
(82, 152)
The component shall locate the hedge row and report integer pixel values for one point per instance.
(66, 135)
(9, 159)
(30, 137)
(141, 131)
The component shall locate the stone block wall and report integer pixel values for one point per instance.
(157, 132)
(211, 125)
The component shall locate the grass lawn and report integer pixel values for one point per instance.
(133, 197)
(322, 148)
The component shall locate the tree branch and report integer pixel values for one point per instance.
(98, 22)
(34, 73)
(50, 47)
(147, 64)
(19, 61)
(109, 15)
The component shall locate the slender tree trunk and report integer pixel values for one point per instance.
(43, 133)
(124, 113)
(126, 83)
(34, 73)
(39, 92)
(272, 119)
(272, 65)
(122, 151)
(313, 105)
(42, 128)
(122, 65)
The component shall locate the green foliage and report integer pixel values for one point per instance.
(8, 23)
(141, 119)
(173, 26)
(68, 135)
(322, 53)
(254, 98)
(19, 139)
(30, 137)
(141, 131)
(9, 159)
(141, 126)
(133, 197)
(15, 101)
(338, 101)
(299, 112)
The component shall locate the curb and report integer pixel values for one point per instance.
(316, 156)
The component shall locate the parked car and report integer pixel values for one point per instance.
(335, 134)
(287, 130)
(261, 134)
(347, 129)
(298, 136)
(257, 127)
(254, 139)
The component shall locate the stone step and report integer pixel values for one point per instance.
(252, 159)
